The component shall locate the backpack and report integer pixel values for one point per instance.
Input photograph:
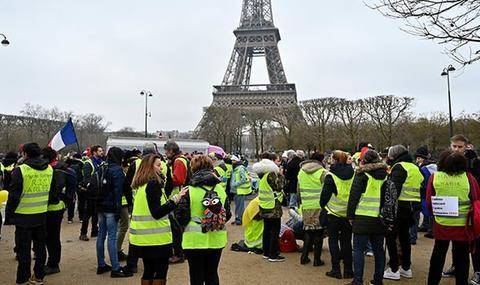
(99, 184)
(388, 213)
(215, 216)
(473, 218)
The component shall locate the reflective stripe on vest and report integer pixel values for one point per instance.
(369, 204)
(144, 229)
(310, 186)
(411, 186)
(223, 174)
(453, 186)
(193, 237)
(253, 234)
(60, 206)
(266, 195)
(338, 204)
(36, 188)
(245, 188)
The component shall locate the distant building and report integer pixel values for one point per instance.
(174, 134)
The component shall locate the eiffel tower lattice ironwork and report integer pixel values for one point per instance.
(256, 36)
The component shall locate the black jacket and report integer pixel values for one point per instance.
(342, 171)
(291, 174)
(362, 224)
(15, 193)
(111, 200)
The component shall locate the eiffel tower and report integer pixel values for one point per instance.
(256, 36)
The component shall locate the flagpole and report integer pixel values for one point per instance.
(78, 146)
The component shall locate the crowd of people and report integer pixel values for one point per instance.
(175, 208)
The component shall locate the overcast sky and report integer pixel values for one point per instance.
(96, 56)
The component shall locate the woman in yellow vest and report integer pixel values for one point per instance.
(335, 194)
(150, 233)
(204, 211)
(408, 180)
(310, 183)
(363, 211)
(451, 181)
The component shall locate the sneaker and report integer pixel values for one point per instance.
(35, 281)
(104, 269)
(120, 273)
(475, 279)
(84, 238)
(369, 253)
(449, 272)
(334, 274)
(389, 274)
(405, 273)
(130, 269)
(277, 259)
(372, 282)
(51, 270)
(265, 257)
(122, 256)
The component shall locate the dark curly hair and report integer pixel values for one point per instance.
(452, 162)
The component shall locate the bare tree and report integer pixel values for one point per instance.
(351, 116)
(385, 112)
(319, 113)
(454, 23)
(288, 119)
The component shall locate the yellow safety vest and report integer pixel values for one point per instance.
(229, 170)
(36, 188)
(453, 186)
(411, 186)
(144, 229)
(266, 195)
(338, 204)
(369, 204)
(254, 234)
(310, 186)
(193, 237)
(137, 165)
(245, 188)
(223, 174)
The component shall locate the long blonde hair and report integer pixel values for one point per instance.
(146, 171)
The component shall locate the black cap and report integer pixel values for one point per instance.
(422, 152)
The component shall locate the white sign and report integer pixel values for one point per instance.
(445, 206)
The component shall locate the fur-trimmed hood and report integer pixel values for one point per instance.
(310, 166)
(377, 170)
(265, 166)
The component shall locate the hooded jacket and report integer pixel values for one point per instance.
(342, 171)
(111, 201)
(311, 217)
(15, 193)
(291, 174)
(362, 224)
(275, 180)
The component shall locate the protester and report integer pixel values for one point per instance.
(310, 183)
(109, 206)
(241, 187)
(32, 185)
(365, 201)
(271, 196)
(292, 168)
(179, 177)
(335, 195)
(407, 179)
(451, 180)
(150, 232)
(7, 165)
(76, 164)
(204, 211)
(90, 193)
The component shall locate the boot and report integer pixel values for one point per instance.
(317, 251)
(159, 282)
(147, 282)
(307, 243)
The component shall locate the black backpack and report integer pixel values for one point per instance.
(389, 211)
(99, 184)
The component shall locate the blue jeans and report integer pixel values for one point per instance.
(293, 203)
(107, 226)
(359, 247)
(239, 208)
(414, 227)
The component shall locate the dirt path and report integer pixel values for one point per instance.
(79, 264)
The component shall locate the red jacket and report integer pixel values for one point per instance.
(447, 232)
(179, 172)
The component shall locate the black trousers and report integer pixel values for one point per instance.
(177, 235)
(402, 232)
(24, 236)
(90, 212)
(1, 223)
(476, 256)
(81, 204)
(271, 231)
(203, 266)
(461, 261)
(313, 239)
(155, 268)
(70, 204)
(340, 243)
(54, 246)
(132, 260)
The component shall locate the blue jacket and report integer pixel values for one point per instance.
(111, 200)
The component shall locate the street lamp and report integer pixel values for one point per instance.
(4, 42)
(146, 94)
(446, 72)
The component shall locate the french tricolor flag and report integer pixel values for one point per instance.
(66, 136)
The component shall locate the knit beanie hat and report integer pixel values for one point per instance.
(371, 156)
(396, 150)
(422, 152)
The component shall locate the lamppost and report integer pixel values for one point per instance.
(4, 42)
(446, 72)
(146, 94)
